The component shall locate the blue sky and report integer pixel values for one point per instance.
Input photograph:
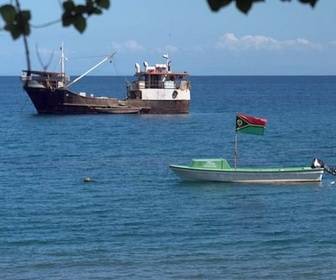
(275, 38)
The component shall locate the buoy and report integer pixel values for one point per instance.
(87, 180)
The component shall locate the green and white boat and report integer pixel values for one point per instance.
(219, 170)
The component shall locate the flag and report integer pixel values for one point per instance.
(250, 125)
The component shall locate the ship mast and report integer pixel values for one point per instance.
(63, 58)
(167, 57)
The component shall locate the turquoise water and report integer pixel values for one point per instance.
(136, 220)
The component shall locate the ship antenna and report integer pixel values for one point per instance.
(168, 62)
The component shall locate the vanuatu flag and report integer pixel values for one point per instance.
(250, 125)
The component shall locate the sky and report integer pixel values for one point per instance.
(274, 38)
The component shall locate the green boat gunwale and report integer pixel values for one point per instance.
(221, 165)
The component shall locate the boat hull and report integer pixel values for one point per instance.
(63, 101)
(271, 175)
(119, 110)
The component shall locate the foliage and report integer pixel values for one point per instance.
(245, 5)
(75, 14)
(17, 21)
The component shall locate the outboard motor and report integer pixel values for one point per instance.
(317, 163)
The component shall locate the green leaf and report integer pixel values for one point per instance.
(244, 5)
(8, 13)
(311, 2)
(96, 11)
(68, 5)
(89, 5)
(215, 5)
(23, 18)
(91, 8)
(80, 9)
(79, 23)
(25, 15)
(14, 30)
(67, 19)
(103, 3)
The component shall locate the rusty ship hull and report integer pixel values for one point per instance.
(63, 101)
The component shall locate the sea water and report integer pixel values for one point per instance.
(136, 220)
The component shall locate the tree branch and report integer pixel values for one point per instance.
(25, 40)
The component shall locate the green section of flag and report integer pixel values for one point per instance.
(251, 129)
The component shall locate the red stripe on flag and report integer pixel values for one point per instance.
(253, 120)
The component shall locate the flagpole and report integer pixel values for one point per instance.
(236, 151)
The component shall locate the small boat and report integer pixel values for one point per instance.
(155, 90)
(219, 169)
(118, 110)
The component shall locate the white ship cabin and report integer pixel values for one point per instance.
(44, 79)
(151, 80)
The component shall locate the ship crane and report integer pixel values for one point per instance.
(90, 70)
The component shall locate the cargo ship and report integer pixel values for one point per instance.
(154, 90)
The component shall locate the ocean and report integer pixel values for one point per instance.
(137, 220)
